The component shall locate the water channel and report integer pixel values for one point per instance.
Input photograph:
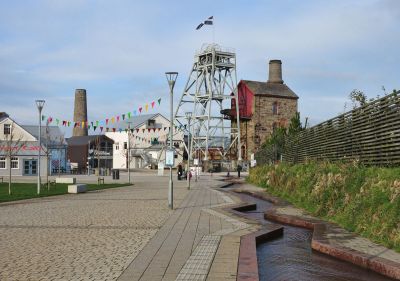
(290, 257)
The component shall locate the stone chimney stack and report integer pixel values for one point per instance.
(275, 72)
(80, 113)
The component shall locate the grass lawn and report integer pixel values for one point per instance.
(29, 190)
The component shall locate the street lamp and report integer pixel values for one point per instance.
(171, 78)
(39, 104)
(189, 117)
(129, 152)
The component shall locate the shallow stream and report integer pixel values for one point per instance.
(290, 257)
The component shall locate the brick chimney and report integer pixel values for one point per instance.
(275, 72)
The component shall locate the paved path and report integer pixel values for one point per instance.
(194, 237)
(124, 233)
(92, 236)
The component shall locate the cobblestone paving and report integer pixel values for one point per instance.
(92, 236)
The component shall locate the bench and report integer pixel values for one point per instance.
(66, 180)
(77, 188)
(100, 180)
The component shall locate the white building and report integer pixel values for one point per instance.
(148, 140)
(23, 141)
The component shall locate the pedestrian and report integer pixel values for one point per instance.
(239, 169)
(180, 172)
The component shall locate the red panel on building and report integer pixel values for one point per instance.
(245, 102)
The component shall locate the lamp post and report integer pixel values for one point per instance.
(39, 104)
(129, 152)
(171, 78)
(189, 117)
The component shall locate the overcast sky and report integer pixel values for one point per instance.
(119, 50)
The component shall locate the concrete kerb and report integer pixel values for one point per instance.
(320, 243)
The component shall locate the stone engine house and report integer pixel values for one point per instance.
(263, 106)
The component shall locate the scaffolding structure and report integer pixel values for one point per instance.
(209, 93)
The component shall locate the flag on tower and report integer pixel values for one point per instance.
(208, 21)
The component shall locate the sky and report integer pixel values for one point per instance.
(119, 51)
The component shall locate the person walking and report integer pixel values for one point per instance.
(239, 169)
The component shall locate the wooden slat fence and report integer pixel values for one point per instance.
(369, 134)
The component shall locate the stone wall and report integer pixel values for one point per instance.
(256, 131)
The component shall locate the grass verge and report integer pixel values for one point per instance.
(365, 200)
(29, 190)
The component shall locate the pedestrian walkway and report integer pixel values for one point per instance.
(193, 238)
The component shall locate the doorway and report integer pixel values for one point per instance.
(30, 167)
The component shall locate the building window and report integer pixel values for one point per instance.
(151, 123)
(275, 108)
(117, 146)
(14, 163)
(7, 129)
(125, 145)
(2, 162)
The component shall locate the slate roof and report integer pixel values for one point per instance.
(54, 133)
(83, 140)
(270, 89)
(137, 121)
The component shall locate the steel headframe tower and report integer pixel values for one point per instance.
(208, 93)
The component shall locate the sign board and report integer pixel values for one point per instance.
(196, 161)
(169, 158)
(253, 163)
(160, 168)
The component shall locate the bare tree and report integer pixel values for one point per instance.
(47, 152)
(61, 141)
(96, 153)
(12, 144)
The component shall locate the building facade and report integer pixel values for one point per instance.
(23, 143)
(148, 136)
(263, 107)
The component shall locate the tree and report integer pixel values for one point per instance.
(358, 98)
(13, 143)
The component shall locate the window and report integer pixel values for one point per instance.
(117, 146)
(125, 145)
(14, 163)
(151, 123)
(2, 162)
(275, 108)
(7, 129)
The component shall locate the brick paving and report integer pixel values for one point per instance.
(92, 236)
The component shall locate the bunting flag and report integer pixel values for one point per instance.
(159, 129)
(149, 130)
(134, 112)
(112, 120)
(140, 109)
(129, 115)
(69, 123)
(165, 128)
(152, 104)
(154, 129)
(88, 127)
(159, 101)
(106, 121)
(97, 123)
(83, 124)
(137, 130)
(94, 128)
(64, 123)
(143, 130)
(113, 129)
(57, 121)
(101, 129)
(123, 116)
(91, 123)
(117, 118)
(146, 107)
